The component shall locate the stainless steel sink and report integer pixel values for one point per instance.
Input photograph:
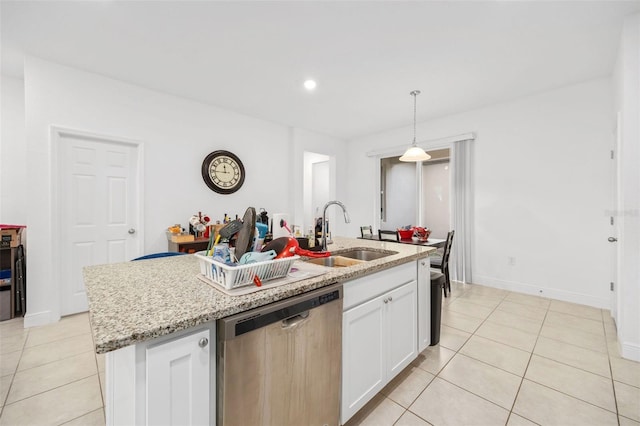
(335, 261)
(351, 257)
(366, 254)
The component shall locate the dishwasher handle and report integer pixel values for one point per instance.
(289, 310)
(295, 320)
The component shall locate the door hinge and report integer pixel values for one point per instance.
(611, 286)
(612, 220)
(612, 154)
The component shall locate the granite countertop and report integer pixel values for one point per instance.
(136, 301)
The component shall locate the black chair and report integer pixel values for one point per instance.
(442, 263)
(388, 235)
(366, 231)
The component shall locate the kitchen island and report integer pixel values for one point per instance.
(136, 306)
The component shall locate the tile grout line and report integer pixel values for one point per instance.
(573, 366)
(447, 363)
(431, 381)
(76, 418)
(13, 376)
(613, 385)
(95, 357)
(525, 372)
(434, 375)
(547, 311)
(49, 362)
(569, 395)
(51, 389)
(24, 347)
(510, 411)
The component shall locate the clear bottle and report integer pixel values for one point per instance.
(311, 238)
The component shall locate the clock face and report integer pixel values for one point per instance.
(223, 172)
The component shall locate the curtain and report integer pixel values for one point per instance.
(461, 210)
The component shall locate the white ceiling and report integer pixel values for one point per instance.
(252, 57)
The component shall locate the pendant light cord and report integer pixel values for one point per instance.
(415, 94)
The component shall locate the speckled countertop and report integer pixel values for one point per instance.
(136, 301)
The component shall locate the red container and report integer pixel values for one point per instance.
(405, 234)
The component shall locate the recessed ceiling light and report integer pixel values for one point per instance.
(310, 84)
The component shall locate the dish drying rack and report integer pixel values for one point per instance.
(231, 277)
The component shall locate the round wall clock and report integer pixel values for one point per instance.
(223, 172)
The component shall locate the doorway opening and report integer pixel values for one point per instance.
(416, 194)
(318, 186)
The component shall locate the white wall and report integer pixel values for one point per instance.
(312, 204)
(335, 149)
(320, 194)
(541, 188)
(13, 173)
(627, 101)
(177, 134)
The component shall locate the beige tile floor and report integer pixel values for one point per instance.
(503, 358)
(50, 375)
(512, 359)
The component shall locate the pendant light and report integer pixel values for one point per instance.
(414, 153)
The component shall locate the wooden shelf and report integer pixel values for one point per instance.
(8, 257)
(190, 246)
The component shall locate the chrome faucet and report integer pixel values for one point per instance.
(324, 221)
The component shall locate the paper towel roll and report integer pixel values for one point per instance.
(279, 231)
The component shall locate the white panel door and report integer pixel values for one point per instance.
(98, 210)
(178, 381)
(402, 321)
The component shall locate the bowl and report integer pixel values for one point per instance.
(423, 234)
(405, 234)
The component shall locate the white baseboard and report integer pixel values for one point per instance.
(39, 318)
(551, 293)
(630, 351)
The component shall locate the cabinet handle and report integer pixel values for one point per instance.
(203, 342)
(423, 263)
(390, 298)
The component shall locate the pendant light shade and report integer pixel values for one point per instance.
(414, 153)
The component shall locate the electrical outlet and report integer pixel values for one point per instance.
(511, 261)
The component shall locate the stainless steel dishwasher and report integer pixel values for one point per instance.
(280, 364)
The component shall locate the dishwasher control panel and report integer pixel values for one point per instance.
(329, 297)
(245, 322)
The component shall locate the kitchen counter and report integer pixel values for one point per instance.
(137, 301)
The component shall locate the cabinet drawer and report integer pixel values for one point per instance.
(362, 289)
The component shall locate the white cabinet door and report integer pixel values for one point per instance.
(424, 304)
(363, 355)
(401, 322)
(178, 381)
(379, 339)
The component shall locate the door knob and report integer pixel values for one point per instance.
(203, 342)
(612, 239)
(132, 231)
